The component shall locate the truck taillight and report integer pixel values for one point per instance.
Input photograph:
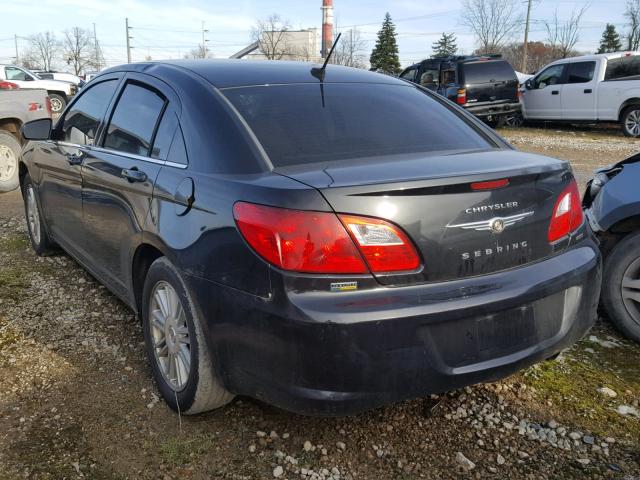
(567, 213)
(461, 98)
(322, 242)
(4, 85)
(48, 104)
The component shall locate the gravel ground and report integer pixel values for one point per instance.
(78, 400)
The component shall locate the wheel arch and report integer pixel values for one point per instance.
(144, 256)
(618, 231)
(12, 126)
(627, 103)
(66, 98)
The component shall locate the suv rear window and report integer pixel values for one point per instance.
(298, 123)
(486, 71)
(623, 67)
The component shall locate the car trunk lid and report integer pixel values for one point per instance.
(459, 231)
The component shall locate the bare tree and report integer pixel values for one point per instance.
(351, 50)
(200, 51)
(539, 54)
(79, 49)
(43, 47)
(271, 34)
(563, 36)
(632, 14)
(494, 22)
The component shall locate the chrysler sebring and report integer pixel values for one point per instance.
(324, 240)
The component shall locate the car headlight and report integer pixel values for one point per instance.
(598, 181)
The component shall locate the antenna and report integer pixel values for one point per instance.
(319, 72)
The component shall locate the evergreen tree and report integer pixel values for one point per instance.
(445, 46)
(385, 54)
(610, 40)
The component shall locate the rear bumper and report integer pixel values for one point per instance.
(340, 353)
(493, 109)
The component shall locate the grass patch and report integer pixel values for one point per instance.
(13, 244)
(571, 384)
(13, 282)
(181, 450)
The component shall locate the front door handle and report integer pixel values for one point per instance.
(133, 175)
(587, 90)
(555, 92)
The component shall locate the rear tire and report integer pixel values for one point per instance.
(176, 346)
(9, 154)
(40, 240)
(58, 103)
(631, 121)
(621, 286)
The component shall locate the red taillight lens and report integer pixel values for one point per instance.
(461, 99)
(317, 242)
(49, 109)
(301, 241)
(384, 246)
(4, 85)
(567, 213)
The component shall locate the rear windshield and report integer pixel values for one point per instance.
(486, 71)
(304, 123)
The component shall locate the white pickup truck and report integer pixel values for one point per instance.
(589, 89)
(60, 92)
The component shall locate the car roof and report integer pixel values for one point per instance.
(225, 73)
(595, 56)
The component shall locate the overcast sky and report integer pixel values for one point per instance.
(170, 28)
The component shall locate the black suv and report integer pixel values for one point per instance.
(486, 86)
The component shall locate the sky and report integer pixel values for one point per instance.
(170, 28)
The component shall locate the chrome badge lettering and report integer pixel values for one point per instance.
(497, 250)
(492, 208)
(495, 225)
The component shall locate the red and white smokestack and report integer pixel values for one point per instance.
(327, 27)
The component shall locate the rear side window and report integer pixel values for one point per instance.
(622, 68)
(134, 120)
(486, 71)
(304, 123)
(81, 122)
(409, 74)
(580, 72)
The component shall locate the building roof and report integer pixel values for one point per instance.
(224, 73)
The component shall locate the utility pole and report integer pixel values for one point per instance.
(129, 38)
(204, 41)
(15, 38)
(95, 47)
(526, 39)
(351, 47)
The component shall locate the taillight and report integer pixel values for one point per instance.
(318, 242)
(384, 246)
(461, 99)
(567, 213)
(48, 104)
(4, 85)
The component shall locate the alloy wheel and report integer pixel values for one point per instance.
(170, 335)
(631, 289)
(632, 123)
(33, 215)
(8, 163)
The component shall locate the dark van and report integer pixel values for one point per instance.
(487, 86)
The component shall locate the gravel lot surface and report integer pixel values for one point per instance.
(77, 399)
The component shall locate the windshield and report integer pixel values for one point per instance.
(300, 123)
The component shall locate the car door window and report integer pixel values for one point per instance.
(13, 73)
(409, 74)
(580, 72)
(550, 76)
(80, 124)
(134, 120)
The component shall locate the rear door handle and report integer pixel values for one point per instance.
(588, 90)
(133, 175)
(555, 92)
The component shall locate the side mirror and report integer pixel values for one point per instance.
(528, 84)
(37, 129)
(28, 78)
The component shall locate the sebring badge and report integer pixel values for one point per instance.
(495, 225)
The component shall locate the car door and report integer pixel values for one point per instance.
(118, 181)
(579, 92)
(543, 100)
(60, 160)
(20, 77)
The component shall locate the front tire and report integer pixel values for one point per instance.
(631, 121)
(621, 286)
(180, 359)
(9, 154)
(58, 103)
(40, 240)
